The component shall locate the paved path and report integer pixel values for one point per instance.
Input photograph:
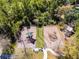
(50, 50)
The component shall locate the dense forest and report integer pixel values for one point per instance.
(17, 13)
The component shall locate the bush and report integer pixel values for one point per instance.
(8, 50)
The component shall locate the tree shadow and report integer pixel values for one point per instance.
(31, 40)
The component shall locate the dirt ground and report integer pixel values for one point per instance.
(24, 40)
(53, 37)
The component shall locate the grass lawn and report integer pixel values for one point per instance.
(20, 54)
(39, 37)
(32, 55)
(51, 56)
(38, 55)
